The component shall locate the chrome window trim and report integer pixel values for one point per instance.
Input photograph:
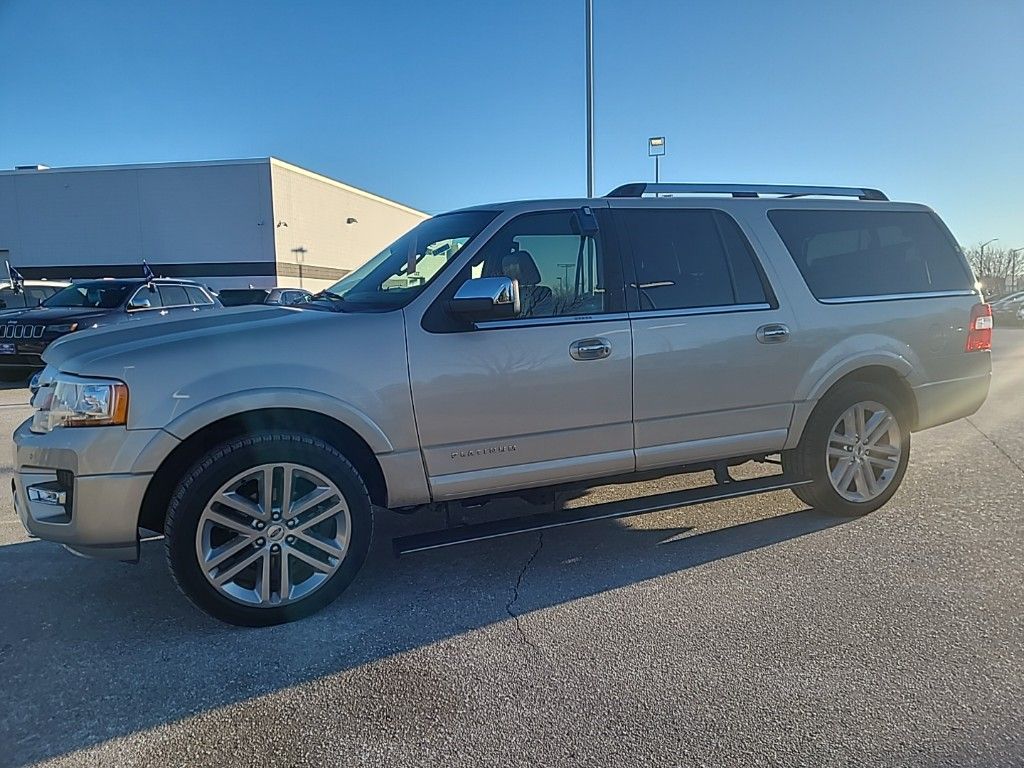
(209, 301)
(530, 322)
(899, 296)
(689, 311)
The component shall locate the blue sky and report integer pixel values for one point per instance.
(442, 104)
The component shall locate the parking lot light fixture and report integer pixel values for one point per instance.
(656, 149)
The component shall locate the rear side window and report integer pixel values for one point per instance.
(692, 258)
(847, 254)
(173, 296)
(196, 295)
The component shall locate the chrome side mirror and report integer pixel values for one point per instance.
(140, 303)
(486, 298)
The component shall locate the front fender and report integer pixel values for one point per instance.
(193, 419)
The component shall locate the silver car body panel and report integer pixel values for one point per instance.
(507, 406)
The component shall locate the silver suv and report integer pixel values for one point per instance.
(529, 348)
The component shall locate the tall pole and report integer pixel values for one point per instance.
(657, 168)
(1013, 267)
(590, 97)
(981, 256)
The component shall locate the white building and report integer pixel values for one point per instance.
(226, 223)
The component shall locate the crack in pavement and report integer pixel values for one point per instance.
(996, 445)
(515, 592)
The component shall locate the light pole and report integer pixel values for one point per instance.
(590, 96)
(300, 256)
(656, 149)
(1013, 267)
(981, 255)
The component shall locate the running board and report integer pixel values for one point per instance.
(464, 534)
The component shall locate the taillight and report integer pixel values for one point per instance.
(979, 332)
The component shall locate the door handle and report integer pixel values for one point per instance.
(773, 333)
(590, 349)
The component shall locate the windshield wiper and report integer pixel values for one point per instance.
(325, 294)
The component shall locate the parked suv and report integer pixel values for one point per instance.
(25, 334)
(529, 348)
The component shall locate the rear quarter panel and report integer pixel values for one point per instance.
(920, 338)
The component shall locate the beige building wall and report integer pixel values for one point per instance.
(324, 229)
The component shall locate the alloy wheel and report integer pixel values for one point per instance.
(864, 451)
(273, 534)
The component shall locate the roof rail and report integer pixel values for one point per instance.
(639, 189)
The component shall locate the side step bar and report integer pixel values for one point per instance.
(464, 534)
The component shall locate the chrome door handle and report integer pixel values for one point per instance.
(773, 333)
(590, 349)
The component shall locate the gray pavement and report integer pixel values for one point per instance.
(748, 632)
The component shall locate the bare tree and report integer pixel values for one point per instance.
(994, 266)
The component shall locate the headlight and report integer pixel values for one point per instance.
(62, 328)
(75, 401)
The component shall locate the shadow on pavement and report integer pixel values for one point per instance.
(92, 650)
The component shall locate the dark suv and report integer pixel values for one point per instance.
(25, 333)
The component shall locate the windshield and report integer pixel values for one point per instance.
(94, 295)
(396, 275)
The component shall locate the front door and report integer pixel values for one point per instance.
(539, 399)
(713, 374)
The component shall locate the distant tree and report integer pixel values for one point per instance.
(994, 268)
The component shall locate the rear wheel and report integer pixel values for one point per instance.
(855, 449)
(268, 528)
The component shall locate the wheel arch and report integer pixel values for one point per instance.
(884, 373)
(332, 431)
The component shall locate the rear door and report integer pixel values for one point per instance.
(710, 373)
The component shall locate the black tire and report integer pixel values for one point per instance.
(808, 459)
(217, 467)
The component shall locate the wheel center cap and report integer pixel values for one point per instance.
(275, 532)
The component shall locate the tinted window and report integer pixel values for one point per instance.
(560, 271)
(871, 253)
(173, 295)
(97, 295)
(12, 300)
(196, 295)
(687, 259)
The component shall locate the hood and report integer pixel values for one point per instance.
(173, 366)
(93, 345)
(52, 314)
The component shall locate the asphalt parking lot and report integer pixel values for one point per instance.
(748, 632)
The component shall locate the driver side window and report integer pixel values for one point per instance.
(561, 272)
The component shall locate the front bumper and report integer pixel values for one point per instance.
(81, 487)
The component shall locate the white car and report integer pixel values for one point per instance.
(32, 292)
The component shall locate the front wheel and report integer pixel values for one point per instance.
(855, 449)
(268, 528)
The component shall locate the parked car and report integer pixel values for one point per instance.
(26, 333)
(234, 297)
(531, 348)
(29, 293)
(1005, 310)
